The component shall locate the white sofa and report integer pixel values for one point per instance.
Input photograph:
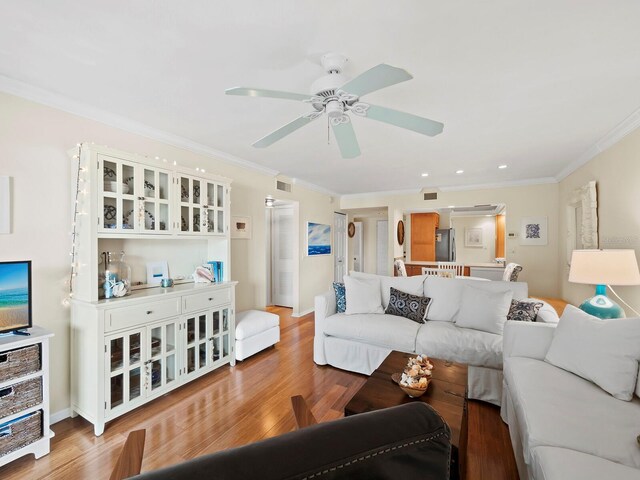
(359, 343)
(563, 427)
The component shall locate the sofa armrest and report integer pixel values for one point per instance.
(325, 306)
(527, 339)
(409, 441)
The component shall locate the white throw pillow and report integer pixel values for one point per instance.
(363, 295)
(484, 310)
(605, 352)
(413, 285)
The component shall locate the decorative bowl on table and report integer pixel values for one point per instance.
(415, 378)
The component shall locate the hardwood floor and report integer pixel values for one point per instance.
(239, 405)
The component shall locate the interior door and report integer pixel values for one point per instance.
(382, 247)
(340, 246)
(282, 256)
(358, 248)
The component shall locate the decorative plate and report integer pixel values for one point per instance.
(351, 229)
(400, 232)
(149, 221)
(184, 193)
(110, 213)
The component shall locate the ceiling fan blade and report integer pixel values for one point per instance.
(346, 138)
(283, 131)
(378, 77)
(404, 120)
(260, 92)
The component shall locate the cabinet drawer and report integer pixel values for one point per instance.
(192, 303)
(20, 396)
(124, 317)
(19, 362)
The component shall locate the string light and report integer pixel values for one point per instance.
(80, 193)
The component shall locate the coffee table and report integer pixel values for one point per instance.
(447, 394)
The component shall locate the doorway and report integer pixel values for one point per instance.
(358, 248)
(339, 246)
(382, 249)
(282, 254)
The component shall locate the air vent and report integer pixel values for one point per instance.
(430, 196)
(283, 186)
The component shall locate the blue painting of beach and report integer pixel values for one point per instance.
(318, 239)
(14, 295)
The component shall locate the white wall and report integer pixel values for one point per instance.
(617, 175)
(466, 254)
(541, 263)
(34, 140)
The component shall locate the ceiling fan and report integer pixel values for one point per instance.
(336, 95)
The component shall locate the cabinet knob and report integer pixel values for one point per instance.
(149, 312)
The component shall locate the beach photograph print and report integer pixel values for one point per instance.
(14, 295)
(318, 239)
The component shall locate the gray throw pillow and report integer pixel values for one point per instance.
(523, 311)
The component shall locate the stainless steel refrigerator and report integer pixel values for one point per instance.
(445, 245)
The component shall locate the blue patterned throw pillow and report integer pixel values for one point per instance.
(402, 304)
(341, 296)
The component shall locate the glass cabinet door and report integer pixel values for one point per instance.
(161, 367)
(155, 209)
(118, 195)
(191, 205)
(196, 352)
(124, 357)
(220, 335)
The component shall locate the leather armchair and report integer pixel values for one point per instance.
(408, 442)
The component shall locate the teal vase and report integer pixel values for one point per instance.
(602, 306)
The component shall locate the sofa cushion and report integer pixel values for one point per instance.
(552, 463)
(524, 311)
(447, 341)
(604, 352)
(556, 408)
(341, 297)
(413, 285)
(362, 295)
(446, 293)
(403, 304)
(388, 331)
(483, 310)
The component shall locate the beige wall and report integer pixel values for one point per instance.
(486, 253)
(617, 175)
(541, 263)
(34, 140)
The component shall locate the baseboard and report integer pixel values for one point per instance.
(302, 314)
(59, 416)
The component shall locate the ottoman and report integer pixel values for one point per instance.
(255, 331)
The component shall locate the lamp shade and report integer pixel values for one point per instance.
(604, 267)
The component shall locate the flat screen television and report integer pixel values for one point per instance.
(15, 296)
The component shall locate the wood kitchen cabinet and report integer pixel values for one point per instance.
(423, 236)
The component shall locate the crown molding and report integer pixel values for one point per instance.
(61, 102)
(620, 131)
(384, 193)
(314, 187)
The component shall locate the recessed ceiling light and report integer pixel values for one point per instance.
(425, 174)
(451, 206)
(459, 171)
(502, 166)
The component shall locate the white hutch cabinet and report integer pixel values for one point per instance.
(127, 351)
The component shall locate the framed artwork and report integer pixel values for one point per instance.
(318, 239)
(400, 232)
(473, 237)
(241, 227)
(156, 271)
(533, 231)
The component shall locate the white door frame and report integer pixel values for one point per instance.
(382, 247)
(358, 246)
(339, 243)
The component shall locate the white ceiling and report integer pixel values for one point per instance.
(531, 84)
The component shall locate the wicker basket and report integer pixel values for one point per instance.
(20, 362)
(20, 396)
(20, 432)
